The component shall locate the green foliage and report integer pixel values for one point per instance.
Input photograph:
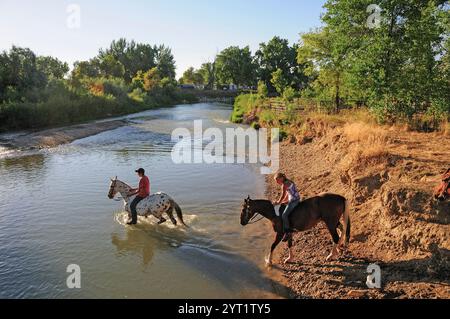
(397, 68)
(262, 89)
(276, 55)
(51, 67)
(125, 78)
(243, 105)
(289, 94)
(208, 72)
(192, 76)
(279, 81)
(268, 116)
(236, 66)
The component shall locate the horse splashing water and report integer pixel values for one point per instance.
(328, 208)
(156, 204)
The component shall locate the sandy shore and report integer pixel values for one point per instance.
(395, 221)
(57, 136)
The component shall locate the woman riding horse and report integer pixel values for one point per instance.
(328, 208)
(290, 198)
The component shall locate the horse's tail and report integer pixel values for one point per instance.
(179, 213)
(347, 224)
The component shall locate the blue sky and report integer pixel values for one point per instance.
(195, 30)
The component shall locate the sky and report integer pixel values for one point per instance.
(195, 30)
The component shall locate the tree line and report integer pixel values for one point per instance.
(275, 64)
(392, 57)
(37, 91)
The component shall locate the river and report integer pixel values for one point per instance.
(54, 212)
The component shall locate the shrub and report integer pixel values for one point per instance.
(243, 105)
(262, 90)
(289, 94)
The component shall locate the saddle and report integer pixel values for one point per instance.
(280, 212)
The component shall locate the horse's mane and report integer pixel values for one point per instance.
(124, 183)
(265, 201)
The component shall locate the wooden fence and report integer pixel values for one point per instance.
(301, 105)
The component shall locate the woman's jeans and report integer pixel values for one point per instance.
(289, 208)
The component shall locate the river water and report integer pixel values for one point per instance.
(54, 212)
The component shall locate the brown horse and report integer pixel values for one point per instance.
(328, 208)
(442, 192)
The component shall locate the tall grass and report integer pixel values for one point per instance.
(64, 107)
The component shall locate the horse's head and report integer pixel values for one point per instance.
(247, 212)
(441, 192)
(113, 188)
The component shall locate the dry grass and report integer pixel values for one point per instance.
(445, 128)
(369, 144)
(360, 115)
(366, 134)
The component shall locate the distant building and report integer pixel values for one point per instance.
(187, 86)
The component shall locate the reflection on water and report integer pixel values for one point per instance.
(54, 211)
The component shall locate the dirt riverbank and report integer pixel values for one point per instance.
(388, 175)
(57, 136)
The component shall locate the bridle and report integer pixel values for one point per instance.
(251, 221)
(111, 190)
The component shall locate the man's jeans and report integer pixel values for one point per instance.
(133, 205)
(289, 208)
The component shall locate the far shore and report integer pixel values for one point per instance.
(57, 136)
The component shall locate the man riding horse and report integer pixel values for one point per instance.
(142, 192)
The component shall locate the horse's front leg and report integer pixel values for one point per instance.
(291, 252)
(278, 238)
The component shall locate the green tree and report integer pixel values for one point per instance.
(325, 61)
(279, 81)
(111, 68)
(133, 56)
(165, 62)
(276, 55)
(236, 66)
(208, 72)
(148, 80)
(52, 67)
(396, 63)
(262, 89)
(19, 73)
(192, 76)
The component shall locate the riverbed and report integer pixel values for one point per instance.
(54, 212)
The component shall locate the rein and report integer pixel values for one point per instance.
(256, 221)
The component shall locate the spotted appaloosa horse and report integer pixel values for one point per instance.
(328, 208)
(442, 192)
(156, 204)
